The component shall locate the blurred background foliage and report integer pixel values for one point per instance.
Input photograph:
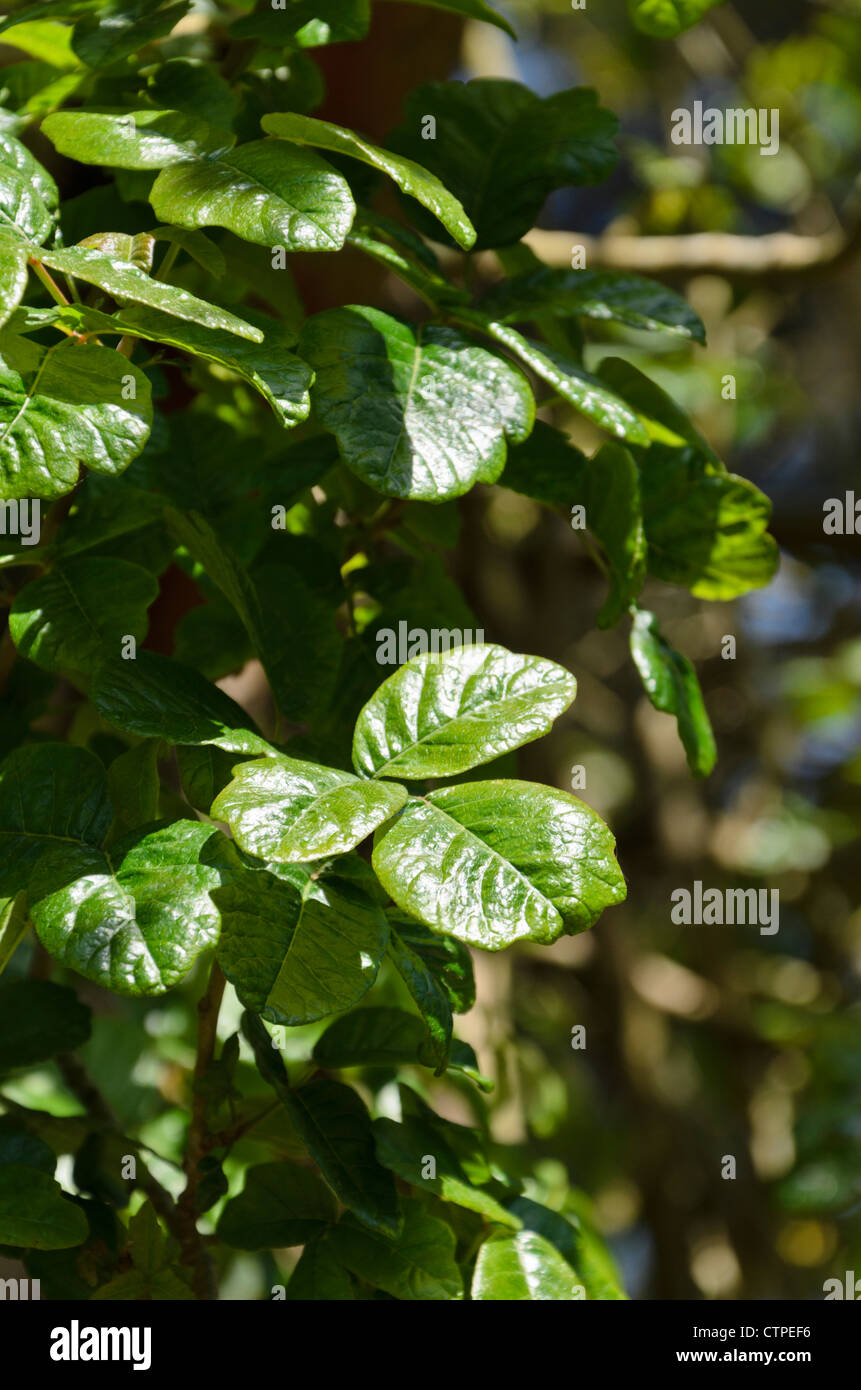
(701, 1042)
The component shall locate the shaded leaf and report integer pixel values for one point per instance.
(34, 1212)
(419, 1264)
(597, 294)
(281, 1204)
(50, 794)
(406, 1149)
(38, 1019)
(671, 684)
(82, 609)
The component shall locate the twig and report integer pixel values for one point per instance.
(199, 1140)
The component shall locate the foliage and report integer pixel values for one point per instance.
(163, 393)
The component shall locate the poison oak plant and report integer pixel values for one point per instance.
(165, 402)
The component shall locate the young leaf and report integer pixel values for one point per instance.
(671, 684)
(81, 610)
(336, 1130)
(596, 294)
(523, 1267)
(491, 863)
(35, 1213)
(289, 811)
(280, 1205)
(419, 1264)
(157, 697)
(263, 192)
(706, 530)
(133, 919)
(420, 413)
(441, 715)
(127, 283)
(300, 947)
(64, 406)
(666, 19)
(502, 150)
(410, 177)
(38, 1019)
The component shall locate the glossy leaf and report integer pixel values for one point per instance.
(420, 413)
(419, 1264)
(133, 919)
(128, 284)
(671, 684)
(290, 811)
(264, 192)
(63, 407)
(336, 1130)
(28, 195)
(82, 609)
(299, 947)
(13, 273)
(491, 863)
(597, 294)
(410, 177)
(34, 1212)
(523, 1267)
(281, 1204)
(133, 139)
(502, 150)
(441, 715)
(157, 697)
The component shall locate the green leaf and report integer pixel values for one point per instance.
(19, 1146)
(706, 530)
(13, 273)
(280, 377)
(671, 684)
(429, 995)
(157, 697)
(289, 811)
(663, 420)
(102, 39)
(34, 1212)
(65, 406)
(133, 139)
(442, 714)
(299, 947)
(81, 610)
(263, 192)
(502, 150)
(665, 19)
(134, 786)
(13, 925)
(446, 960)
(417, 412)
(577, 1243)
(491, 863)
(127, 283)
(405, 1148)
(28, 195)
(197, 245)
(393, 246)
(596, 294)
(184, 84)
(38, 1019)
(611, 495)
(318, 1276)
(471, 9)
(410, 177)
(50, 794)
(371, 1037)
(419, 1264)
(523, 1267)
(309, 22)
(134, 918)
(546, 467)
(572, 382)
(335, 1128)
(281, 1204)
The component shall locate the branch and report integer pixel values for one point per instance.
(198, 1143)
